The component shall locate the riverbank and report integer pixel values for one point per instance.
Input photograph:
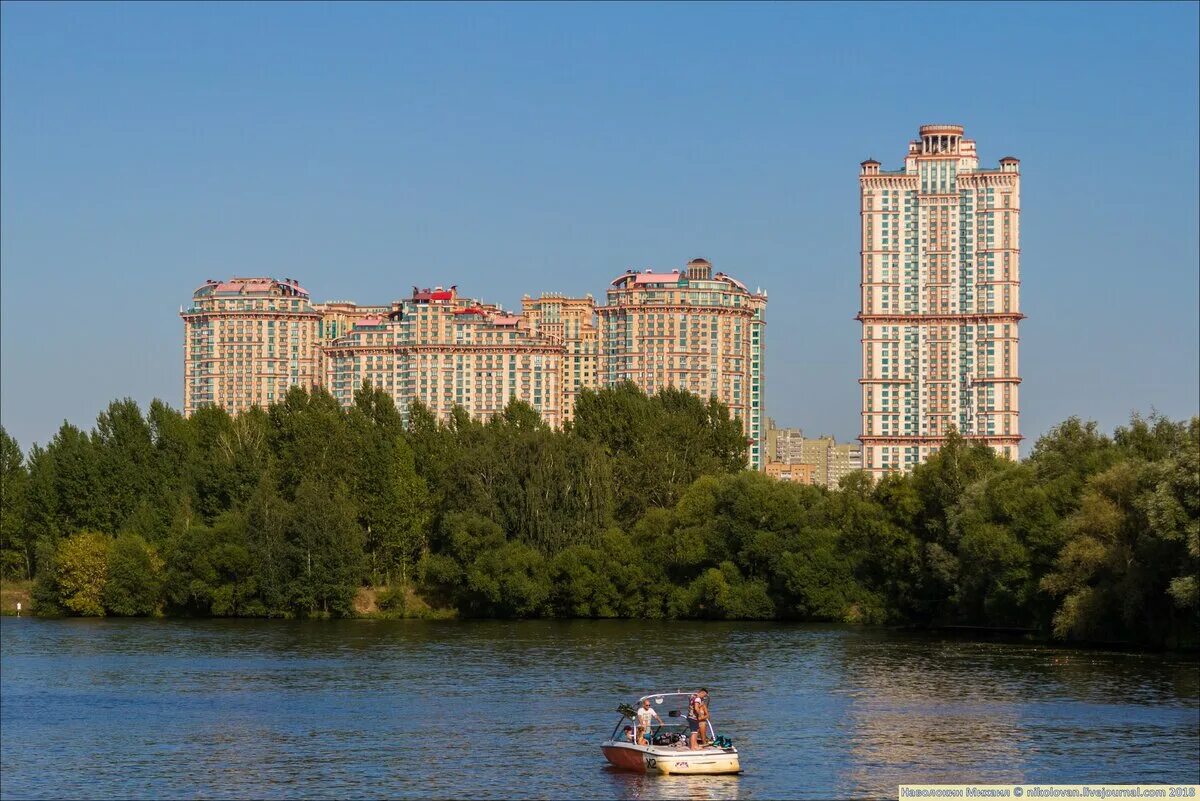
(405, 603)
(13, 593)
(398, 603)
(370, 603)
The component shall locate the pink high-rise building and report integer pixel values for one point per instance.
(689, 329)
(940, 301)
(571, 321)
(449, 351)
(245, 341)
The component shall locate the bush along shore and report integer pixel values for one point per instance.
(640, 508)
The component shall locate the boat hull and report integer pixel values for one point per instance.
(668, 761)
(625, 757)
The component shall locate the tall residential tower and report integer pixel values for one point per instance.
(940, 301)
(690, 330)
(245, 341)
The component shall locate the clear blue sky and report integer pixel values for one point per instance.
(513, 149)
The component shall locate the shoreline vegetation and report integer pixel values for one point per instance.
(640, 508)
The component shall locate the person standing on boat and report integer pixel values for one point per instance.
(645, 715)
(697, 718)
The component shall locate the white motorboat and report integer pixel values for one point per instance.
(666, 750)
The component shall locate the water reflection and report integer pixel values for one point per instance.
(409, 709)
(952, 711)
(623, 784)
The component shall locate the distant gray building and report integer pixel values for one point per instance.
(830, 460)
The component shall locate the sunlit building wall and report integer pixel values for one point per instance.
(783, 444)
(842, 458)
(338, 317)
(369, 351)
(795, 472)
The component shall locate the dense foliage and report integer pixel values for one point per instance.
(640, 508)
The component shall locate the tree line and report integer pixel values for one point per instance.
(639, 508)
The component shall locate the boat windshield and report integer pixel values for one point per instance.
(672, 709)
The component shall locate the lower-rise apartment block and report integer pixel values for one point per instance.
(795, 472)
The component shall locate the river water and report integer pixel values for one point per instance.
(415, 709)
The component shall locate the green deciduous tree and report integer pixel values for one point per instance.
(1116, 568)
(209, 569)
(326, 547)
(658, 444)
(393, 500)
(134, 583)
(78, 490)
(124, 459)
(81, 564)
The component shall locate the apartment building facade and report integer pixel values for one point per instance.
(826, 459)
(445, 350)
(783, 444)
(248, 340)
(940, 301)
(795, 472)
(571, 321)
(692, 330)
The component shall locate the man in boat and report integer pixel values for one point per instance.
(697, 718)
(645, 715)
